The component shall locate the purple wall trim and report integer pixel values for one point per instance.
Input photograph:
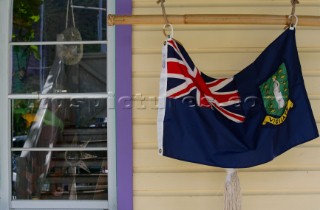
(124, 109)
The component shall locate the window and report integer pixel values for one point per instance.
(58, 126)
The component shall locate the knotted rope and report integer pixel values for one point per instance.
(163, 11)
(167, 23)
(293, 11)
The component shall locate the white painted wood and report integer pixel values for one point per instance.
(60, 96)
(112, 162)
(56, 43)
(5, 160)
(38, 149)
(43, 205)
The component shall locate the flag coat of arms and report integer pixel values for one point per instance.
(236, 122)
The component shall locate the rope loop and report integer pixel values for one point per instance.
(70, 4)
(170, 36)
(293, 10)
(167, 23)
(293, 26)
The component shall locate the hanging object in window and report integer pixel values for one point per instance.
(70, 54)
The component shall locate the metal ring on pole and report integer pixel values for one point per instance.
(171, 30)
(293, 26)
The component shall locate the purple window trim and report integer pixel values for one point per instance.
(124, 115)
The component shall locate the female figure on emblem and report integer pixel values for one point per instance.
(277, 93)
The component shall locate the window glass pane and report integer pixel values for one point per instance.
(59, 146)
(61, 68)
(51, 123)
(60, 175)
(75, 174)
(43, 20)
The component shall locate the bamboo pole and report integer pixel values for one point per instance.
(244, 19)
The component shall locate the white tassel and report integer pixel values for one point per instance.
(232, 194)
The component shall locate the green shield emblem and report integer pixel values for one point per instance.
(275, 92)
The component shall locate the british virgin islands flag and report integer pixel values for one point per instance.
(236, 122)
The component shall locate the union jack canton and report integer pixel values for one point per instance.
(186, 82)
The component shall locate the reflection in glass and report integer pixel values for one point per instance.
(49, 69)
(78, 173)
(59, 146)
(60, 175)
(59, 122)
(43, 20)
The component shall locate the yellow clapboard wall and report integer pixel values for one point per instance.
(291, 181)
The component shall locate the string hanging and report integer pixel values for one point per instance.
(72, 14)
(293, 14)
(70, 54)
(167, 23)
(294, 3)
(163, 11)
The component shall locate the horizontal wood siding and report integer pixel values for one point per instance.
(289, 182)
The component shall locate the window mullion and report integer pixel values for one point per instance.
(112, 142)
(57, 149)
(61, 96)
(5, 177)
(38, 204)
(57, 43)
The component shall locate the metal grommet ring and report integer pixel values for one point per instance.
(164, 30)
(293, 26)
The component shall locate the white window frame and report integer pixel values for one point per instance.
(6, 202)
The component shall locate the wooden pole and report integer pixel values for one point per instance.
(225, 19)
